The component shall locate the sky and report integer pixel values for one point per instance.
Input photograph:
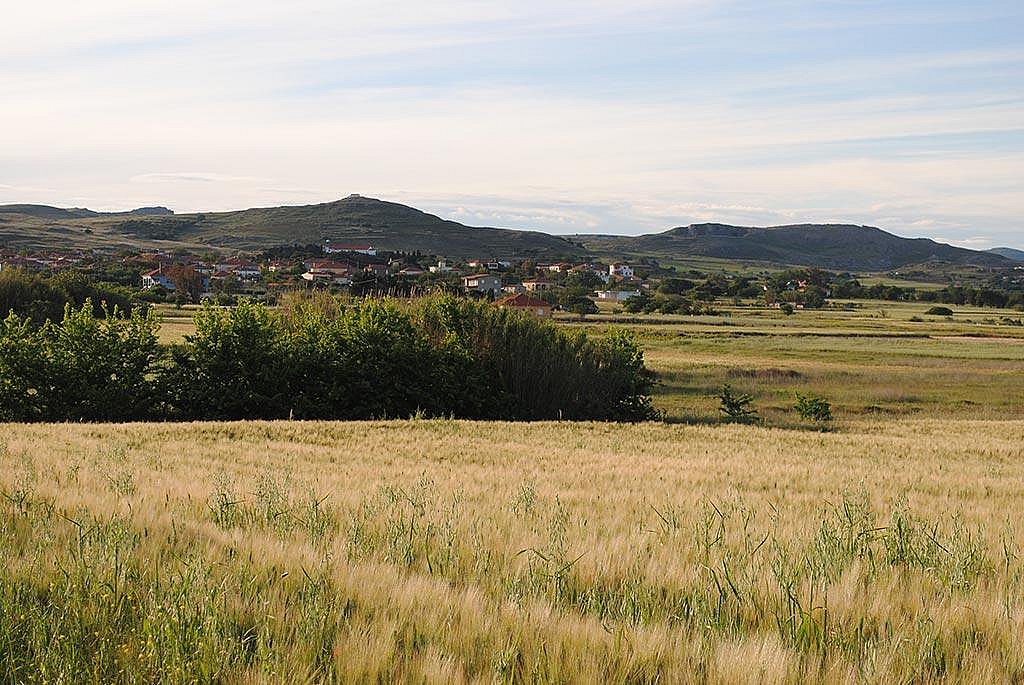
(570, 116)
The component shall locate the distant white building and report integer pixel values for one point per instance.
(240, 268)
(157, 278)
(621, 270)
(482, 283)
(369, 250)
(616, 295)
(441, 268)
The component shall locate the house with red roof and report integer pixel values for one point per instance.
(525, 303)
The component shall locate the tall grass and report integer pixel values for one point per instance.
(441, 551)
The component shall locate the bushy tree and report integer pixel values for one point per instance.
(83, 368)
(813, 408)
(580, 304)
(102, 369)
(368, 361)
(235, 366)
(530, 369)
(25, 391)
(40, 299)
(736, 406)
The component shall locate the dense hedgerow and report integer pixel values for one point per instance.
(43, 298)
(320, 359)
(85, 368)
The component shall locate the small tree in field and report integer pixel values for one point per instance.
(580, 305)
(813, 408)
(736, 406)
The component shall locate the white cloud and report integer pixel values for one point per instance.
(223, 105)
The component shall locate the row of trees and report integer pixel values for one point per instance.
(818, 284)
(318, 358)
(667, 304)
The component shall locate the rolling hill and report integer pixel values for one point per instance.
(1009, 252)
(48, 212)
(354, 219)
(829, 246)
(392, 226)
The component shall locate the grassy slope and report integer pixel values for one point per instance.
(1009, 253)
(858, 248)
(354, 219)
(437, 551)
(32, 233)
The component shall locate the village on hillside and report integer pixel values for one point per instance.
(539, 288)
(536, 287)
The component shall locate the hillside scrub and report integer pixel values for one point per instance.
(320, 359)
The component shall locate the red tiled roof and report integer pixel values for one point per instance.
(521, 300)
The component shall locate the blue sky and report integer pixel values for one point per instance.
(574, 116)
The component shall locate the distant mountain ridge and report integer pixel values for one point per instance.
(1009, 252)
(48, 212)
(353, 219)
(393, 226)
(831, 246)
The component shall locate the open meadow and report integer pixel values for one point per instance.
(885, 547)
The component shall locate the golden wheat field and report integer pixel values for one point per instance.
(446, 551)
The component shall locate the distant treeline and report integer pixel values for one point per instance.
(978, 296)
(818, 283)
(319, 358)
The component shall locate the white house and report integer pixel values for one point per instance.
(620, 270)
(156, 278)
(481, 283)
(441, 268)
(240, 268)
(537, 284)
(369, 250)
(616, 295)
(326, 276)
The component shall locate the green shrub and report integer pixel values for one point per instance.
(368, 361)
(103, 369)
(81, 369)
(24, 372)
(526, 369)
(939, 311)
(736, 406)
(235, 366)
(813, 408)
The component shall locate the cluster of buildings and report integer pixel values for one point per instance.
(516, 284)
(43, 261)
(241, 273)
(617, 274)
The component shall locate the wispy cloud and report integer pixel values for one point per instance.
(576, 116)
(194, 177)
